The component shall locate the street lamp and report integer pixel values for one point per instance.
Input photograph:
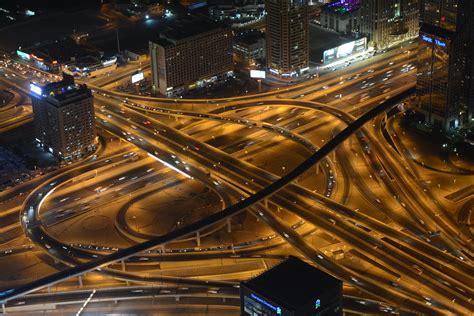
(135, 220)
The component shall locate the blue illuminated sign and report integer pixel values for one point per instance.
(430, 40)
(317, 303)
(439, 43)
(261, 300)
(427, 38)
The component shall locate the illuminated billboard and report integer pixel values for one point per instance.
(23, 55)
(257, 74)
(36, 89)
(345, 50)
(109, 62)
(138, 77)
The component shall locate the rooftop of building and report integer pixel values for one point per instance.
(292, 283)
(86, 61)
(249, 37)
(185, 27)
(60, 51)
(342, 6)
(322, 39)
(65, 89)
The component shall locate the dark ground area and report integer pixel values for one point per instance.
(5, 97)
(456, 142)
(20, 141)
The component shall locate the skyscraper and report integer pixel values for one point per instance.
(444, 82)
(287, 38)
(64, 118)
(387, 22)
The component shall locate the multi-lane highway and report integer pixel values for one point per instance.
(368, 200)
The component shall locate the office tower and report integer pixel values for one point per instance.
(291, 288)
(388, 22)
(287, 37)
(444, 80)
(64, 118)
(193, 53)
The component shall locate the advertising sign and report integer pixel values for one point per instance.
(257, 74)
(138, 77)
(36, 89)
(345, 50)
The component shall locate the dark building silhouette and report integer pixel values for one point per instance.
(291, 288)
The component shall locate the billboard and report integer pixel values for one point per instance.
(345, 50)
(23, 55)
(257, 74)
(138, 77)
(36, 89)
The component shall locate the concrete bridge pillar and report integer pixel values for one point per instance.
(229, 226)
(198, 239)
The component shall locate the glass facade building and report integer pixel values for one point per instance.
(441, 13)
(444, 84)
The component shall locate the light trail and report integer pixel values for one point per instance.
(170, 166)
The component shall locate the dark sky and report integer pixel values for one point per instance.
(50, 4)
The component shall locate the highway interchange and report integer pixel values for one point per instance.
(343, 179)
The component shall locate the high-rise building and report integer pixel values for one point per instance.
(387, 22)
(64, 118)
(287, 37)
(191, 54)
(291, 288)
(444, 81)
(342, 16)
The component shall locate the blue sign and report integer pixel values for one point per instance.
(439, 43)
(267, 304)
(427, 38)
(317, 304)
